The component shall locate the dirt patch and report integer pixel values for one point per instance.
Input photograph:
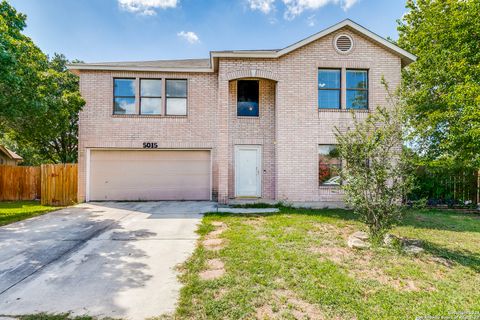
(212, 241)
(360, 265)
(329, 231)
(325, 228)
(220, 227)
(262, 237)
(265, 312)
(256, 223)
(289, 229)
(215, 233)
(287, 302)
(377, 274)
(218, 295)
(334, 253)
(211, 274)
(218, 224)
(215, 270)
(213, 244)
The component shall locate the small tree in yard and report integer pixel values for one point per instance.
(375, 171)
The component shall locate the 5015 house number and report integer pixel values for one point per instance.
(150, 145)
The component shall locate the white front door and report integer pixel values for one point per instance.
(248, 167)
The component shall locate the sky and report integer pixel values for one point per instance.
(134, 30)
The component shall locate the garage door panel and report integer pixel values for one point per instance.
(150, 175)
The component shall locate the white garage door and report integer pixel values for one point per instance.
(149, 175)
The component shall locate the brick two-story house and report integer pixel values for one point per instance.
(241, 124)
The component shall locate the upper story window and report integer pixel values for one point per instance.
(357, 89)
(176, 97)
(150, 96)
(247, 98)
(124, 96)
(329, 88)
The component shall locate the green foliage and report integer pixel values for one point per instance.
(21, 65)
(441, 184)
(53, 132)
(39, 98)
(442, 88)
(376, 170)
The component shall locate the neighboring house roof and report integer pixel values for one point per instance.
(10, 154)
(208, 65)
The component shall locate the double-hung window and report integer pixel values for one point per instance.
(357, 89)
(176, 97)
(124, 96)
(150, 96)
(329, 88)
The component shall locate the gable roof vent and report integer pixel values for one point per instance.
(343, 43)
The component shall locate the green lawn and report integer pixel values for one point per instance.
(296, 265)
(12, 211)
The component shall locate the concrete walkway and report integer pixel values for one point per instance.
(100, 259)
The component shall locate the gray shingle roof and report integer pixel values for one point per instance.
(183, 63)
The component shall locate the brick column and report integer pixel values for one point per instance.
(223, 152)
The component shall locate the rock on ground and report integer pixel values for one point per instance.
(358, 240)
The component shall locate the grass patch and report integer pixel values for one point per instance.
(13, 211)
(295, 264)
(259, 205)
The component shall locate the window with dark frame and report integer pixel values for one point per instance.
(357, 89)
(247, 98)
(329, 88)
(329, 165)
(123, 96)
(176, 97)
(150, 96)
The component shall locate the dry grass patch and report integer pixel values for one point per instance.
(333, 253)
(285, 303)
(255, 222)
(215, 270)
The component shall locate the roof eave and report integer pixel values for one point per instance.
(84, 67)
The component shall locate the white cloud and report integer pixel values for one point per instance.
(146, 7)
(265, 6)
(294, 8)
(190, 36)
(347, 4)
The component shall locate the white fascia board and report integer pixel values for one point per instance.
(133, 68)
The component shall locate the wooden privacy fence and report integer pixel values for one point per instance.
(54, 184)
(19, 183)
(59, 184)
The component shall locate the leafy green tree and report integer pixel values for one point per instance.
(375, 171)
(39, 98)
(442, 88)
(53, 131)
(21, 64)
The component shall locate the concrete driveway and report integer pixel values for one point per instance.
(102, 259)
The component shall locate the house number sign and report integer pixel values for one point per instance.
(150, 145)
